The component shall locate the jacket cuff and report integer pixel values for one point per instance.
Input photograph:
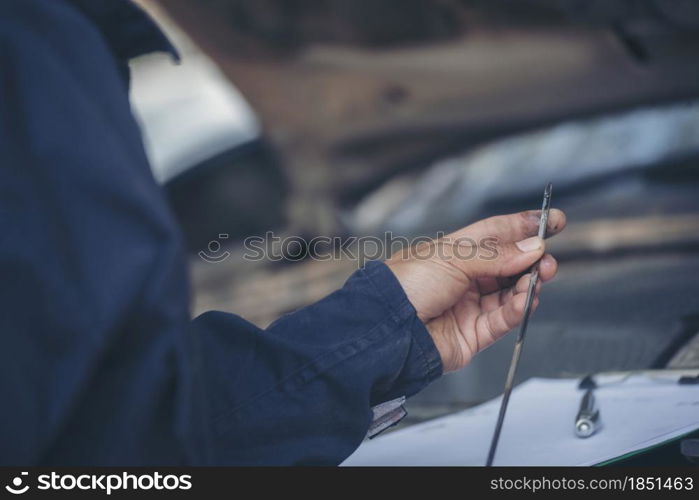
(424, 364)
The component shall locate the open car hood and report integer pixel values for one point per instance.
(352, 91)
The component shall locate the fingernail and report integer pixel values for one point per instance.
(530, 244)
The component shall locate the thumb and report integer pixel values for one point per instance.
(503, 259)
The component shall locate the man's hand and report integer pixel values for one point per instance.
(468, 287)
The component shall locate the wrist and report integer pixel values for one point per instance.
(449, 351)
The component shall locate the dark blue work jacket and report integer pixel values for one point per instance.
(100, 361)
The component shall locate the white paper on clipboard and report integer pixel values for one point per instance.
(638, 413)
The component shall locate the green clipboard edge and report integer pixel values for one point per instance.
(665, 453)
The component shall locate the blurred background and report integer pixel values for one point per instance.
(357, 117)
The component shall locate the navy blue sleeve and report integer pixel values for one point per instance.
(93, 296)
(301, 390)
(100, 362)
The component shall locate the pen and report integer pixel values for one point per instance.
(587, 422)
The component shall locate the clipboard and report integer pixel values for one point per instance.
(644, 416)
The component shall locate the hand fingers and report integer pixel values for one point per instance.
(499, 297)
(492, 325)
(522, 285)
(548, 267)
(488, 285)
(513, 227)
(495, 291)
(494, 300)
(499, 259)
(547, 271)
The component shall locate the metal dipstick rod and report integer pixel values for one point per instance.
(543, 221)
